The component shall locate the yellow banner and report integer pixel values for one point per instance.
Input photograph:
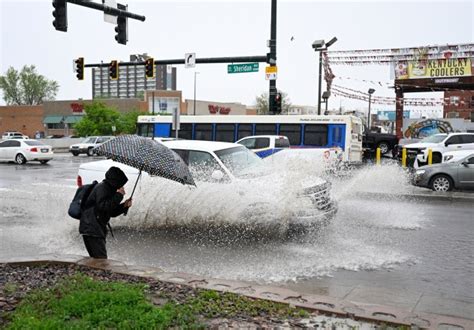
(456, 67)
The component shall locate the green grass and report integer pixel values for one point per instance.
(80, 302)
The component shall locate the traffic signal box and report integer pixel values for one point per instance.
(80, 68)
(60, 15)
(278, 102)
(121, 28)
(114, 70)
(150, 68)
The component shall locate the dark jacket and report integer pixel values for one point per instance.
(102, 204)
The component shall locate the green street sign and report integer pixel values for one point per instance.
(242, 68)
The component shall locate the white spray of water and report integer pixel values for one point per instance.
(359, 238)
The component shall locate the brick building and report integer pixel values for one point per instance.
(459, 104)
(27, 119)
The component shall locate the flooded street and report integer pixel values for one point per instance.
(402, 245)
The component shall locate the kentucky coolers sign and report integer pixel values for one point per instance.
(436, 68)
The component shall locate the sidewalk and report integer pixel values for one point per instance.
(362, 304)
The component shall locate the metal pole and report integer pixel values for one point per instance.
(368, 119)
(273, 52)
(153, 112)
(107, 9)
(194, 102)
(319, 84)
(327, 100)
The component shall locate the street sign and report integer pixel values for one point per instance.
(242, 68)
(110, 18)
(271, 72)
(189, 60)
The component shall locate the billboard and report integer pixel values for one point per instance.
(435, 68)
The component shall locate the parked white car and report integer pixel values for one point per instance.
(13, 135)
(87, 146)
(439, 145)
(22, 151)
(232, 169)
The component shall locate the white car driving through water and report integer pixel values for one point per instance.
(231, 181)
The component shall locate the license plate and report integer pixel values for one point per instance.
(44, 150)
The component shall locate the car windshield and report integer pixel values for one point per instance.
(34, 143)
(89, 140)
(434, 138)
(241, 162)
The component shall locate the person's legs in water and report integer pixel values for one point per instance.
(95, 246)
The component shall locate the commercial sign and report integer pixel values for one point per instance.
(438, 68)
(271, 72)
(77, 108)
(242, 68)
(216, 109)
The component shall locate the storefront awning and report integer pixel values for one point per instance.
(52, 119)
(72, 119)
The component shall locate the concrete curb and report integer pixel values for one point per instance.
(322, 304)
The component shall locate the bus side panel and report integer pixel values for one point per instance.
(337, 136)
(162, 130)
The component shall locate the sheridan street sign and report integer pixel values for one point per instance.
(242, 68)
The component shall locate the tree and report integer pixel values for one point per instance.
(128, 122)
(261, 103)
(98, 120)
(27, 87)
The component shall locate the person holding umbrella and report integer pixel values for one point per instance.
(103, 203)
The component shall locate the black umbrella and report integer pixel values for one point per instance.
(146, 155)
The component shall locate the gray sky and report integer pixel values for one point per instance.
(230, 28)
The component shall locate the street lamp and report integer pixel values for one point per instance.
(320, 46)
(194, 103)
(370, 91)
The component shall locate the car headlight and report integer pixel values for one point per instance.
(420, 172)
(448, 157)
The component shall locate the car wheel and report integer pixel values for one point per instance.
(20, 159)
(75, 154)
(441, 183)
(90, 152)
(384, 147)
(44, 161)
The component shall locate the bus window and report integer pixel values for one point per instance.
(145, 130)
(244, 130)
(185, 132)
(293, 132)
(225, 132)
(316, 135)
(265, 129)
(203, 132)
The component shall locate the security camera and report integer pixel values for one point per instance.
(318, 44)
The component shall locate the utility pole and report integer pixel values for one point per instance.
(272, 60)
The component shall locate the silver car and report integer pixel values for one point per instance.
(446, 176)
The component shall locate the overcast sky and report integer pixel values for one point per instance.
(230, 28)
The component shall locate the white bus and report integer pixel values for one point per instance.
(305, 131)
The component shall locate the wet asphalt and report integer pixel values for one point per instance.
(407, 253)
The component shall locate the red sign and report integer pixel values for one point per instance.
(77, 108)
(216, 109)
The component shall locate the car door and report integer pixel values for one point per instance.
(454, 143)
(466, 173)
(3, 149)
(12, 149)
(467, 141)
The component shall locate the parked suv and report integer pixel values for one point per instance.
(439, 144)
(87, 146)
(14, 135)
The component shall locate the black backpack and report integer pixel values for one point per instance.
(82, 193)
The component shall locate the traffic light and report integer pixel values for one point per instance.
(60, 15)
(278, 101)
(150, 68)
(80, 68)
(121, 28)
(114, 70)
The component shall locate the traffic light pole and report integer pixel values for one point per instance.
(206, 60)
(106, 9)
(272, 61)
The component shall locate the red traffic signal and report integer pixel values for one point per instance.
(114, 70)
(150, 68)
(79, 68)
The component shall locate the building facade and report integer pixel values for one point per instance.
(214, 108)
(459, 104)
(27, 119)
(131, 82)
